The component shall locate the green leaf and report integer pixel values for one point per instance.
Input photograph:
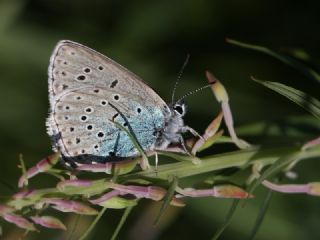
(210, 141)
(167, 199)
(309, 103)
(211, 163)
(308, 72)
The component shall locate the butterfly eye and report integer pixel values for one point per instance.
(179, 109)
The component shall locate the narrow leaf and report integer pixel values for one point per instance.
(135, 143)
(261, 215)
(309, 103)
(93, 224)
(167, 199)
(308, 72)
(228, 219)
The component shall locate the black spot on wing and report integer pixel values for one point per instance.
(114, 83)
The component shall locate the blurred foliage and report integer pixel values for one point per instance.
(152, 39)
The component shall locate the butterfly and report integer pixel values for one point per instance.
(89, 92)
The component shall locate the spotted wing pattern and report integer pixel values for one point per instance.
(89, 91)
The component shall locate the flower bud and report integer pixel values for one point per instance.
(48, 222)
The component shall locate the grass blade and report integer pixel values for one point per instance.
(228, 219)
(167, 199)
(93, 224)
(261, 215)
(308, 72)
(309, 103)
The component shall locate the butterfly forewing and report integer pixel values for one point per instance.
(87, 92)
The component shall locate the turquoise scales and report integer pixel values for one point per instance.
(87, 91)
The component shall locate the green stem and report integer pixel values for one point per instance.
(122, 221)
(241, 159)
(93, 224)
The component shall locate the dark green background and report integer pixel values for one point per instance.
(152, 39)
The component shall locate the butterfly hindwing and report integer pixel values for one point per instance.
(87, 92)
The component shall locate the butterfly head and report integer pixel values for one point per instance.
(173, 125)
(179, 108)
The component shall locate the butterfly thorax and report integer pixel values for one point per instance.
(173, 127)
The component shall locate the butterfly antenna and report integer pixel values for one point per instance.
(179, 76)
(193, 92)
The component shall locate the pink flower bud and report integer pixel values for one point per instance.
(222, 96)
(314, 188)
(151, 192)
(230, 191)
(71, 206)
(311, 144)
(105, 197)
(23, 194)
(121, 167)
(309, 188)
(19, 221)
(98, 167)
(48, 222)
(42, 166)
(73, 183)
(5, 209)
(177, 202)
(223, 191)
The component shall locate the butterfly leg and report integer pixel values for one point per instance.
(192, 157)
(181, 140)
(173, 149)
(192, 131)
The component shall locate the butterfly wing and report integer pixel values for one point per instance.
(87, 92)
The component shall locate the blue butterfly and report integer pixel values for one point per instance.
(88, 92)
